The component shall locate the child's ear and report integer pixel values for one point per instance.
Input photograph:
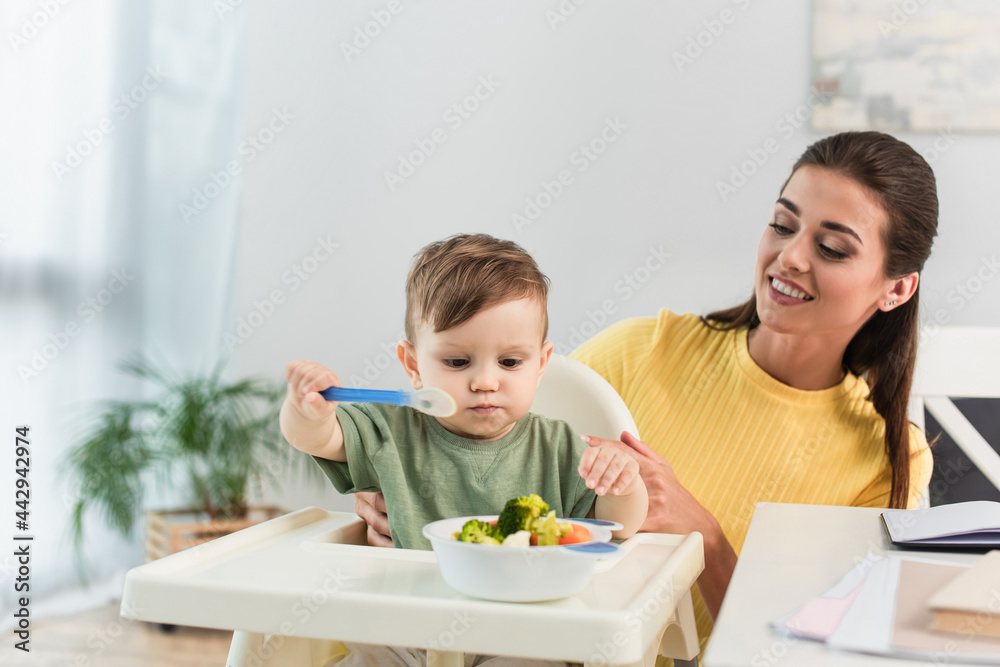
(546, 355)
(408, 357)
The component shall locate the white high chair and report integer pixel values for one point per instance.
(569, 391)
(575, 393)
(958, 362)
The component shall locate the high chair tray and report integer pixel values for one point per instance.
(306, 574)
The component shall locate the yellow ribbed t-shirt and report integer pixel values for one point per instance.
(735, 436)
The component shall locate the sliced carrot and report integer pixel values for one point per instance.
(576, 536)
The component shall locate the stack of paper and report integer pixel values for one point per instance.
(882, 607)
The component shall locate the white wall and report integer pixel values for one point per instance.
(655, 187)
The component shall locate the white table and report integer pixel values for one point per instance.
(290, 586)
(791, 554)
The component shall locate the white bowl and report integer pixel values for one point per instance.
(512, 574)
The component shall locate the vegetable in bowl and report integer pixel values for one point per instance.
(526, 574)
(524, 521)
(479, 532)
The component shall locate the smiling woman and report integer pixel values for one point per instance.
(800, 394)
(856, 221)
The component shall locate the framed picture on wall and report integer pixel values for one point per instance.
(906, 65)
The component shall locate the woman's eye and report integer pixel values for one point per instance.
(510, 363)
(456, 363)
(831, 253)
(779, 229)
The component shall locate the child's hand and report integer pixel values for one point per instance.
(608, 469)
(305, 380)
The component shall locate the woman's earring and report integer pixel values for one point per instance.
(890, 303)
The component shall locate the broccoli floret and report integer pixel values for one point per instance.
(518, 513)
(479, 532)
(515, 518)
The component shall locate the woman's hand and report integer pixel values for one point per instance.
(608, 469)
(370, 506)
(672, 509)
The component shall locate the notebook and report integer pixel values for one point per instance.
(970, 524)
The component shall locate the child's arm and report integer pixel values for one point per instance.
(621, 494)
(309, 421)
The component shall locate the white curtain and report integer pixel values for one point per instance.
(117, 119)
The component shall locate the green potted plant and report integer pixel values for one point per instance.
(219, 437)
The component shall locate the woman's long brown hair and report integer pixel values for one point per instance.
(885, 348)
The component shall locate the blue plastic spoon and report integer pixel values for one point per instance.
(432, 401)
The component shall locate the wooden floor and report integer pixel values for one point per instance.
(103, 638)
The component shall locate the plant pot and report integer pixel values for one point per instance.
(170, 531)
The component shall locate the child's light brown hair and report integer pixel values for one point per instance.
(453, 279)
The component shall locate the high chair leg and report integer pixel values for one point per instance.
(445, 658)
(679, 639)
(244, 646)
(254, 649)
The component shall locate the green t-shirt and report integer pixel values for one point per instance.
(428, 473)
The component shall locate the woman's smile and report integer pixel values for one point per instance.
(787, 293)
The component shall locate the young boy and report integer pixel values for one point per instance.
(476, 324)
